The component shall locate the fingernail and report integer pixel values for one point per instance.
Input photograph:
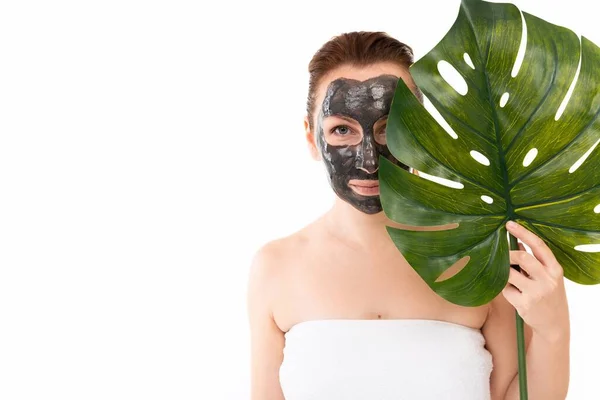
(511, 224)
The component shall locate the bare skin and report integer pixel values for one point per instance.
(345, 266)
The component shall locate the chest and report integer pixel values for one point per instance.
(359, 277)
(352, 284)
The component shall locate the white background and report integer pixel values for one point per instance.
(147, 150)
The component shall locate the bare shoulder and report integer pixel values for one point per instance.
(273, 258)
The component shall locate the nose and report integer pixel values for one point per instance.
(367, 158)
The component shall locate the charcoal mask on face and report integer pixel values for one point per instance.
(366, 102)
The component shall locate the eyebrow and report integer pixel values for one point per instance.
(344, 117)
(353, 121)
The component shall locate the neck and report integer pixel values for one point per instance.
(356, 227)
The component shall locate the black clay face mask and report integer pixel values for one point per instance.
(352, 164)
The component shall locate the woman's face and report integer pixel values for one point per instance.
(351, 109)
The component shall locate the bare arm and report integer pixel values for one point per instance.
(547, 370)
(266, 338)
(547, 359)
(500, 333)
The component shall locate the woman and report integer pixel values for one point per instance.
(335, 310)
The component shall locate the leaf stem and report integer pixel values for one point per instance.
(514, 245)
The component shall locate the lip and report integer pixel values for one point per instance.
(365, 187)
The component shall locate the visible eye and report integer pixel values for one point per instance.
(341, 130)
(380, 135)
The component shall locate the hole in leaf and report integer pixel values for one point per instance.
(431, 228)
(583, 158)
(454, 269)
(597, 209)
(504, 99)
(468, 60)
(453, 77)
(529, 157)
(480, 158)
(438, 117)
(522, 47)
(487, 199)
(565, 101)
(442, 181)
(588, 248)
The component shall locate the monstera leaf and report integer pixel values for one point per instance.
(514, 153)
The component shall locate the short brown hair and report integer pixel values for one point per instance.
(358, 49)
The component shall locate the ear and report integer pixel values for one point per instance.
(311, 140)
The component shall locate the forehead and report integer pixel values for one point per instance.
(350, 96)
(360, 74)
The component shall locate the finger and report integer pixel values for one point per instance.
(522, 248)
(527, 262)
(540, 250)
(520, 281)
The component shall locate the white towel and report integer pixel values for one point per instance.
(402, 359)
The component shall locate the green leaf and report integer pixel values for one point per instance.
(545, 196)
